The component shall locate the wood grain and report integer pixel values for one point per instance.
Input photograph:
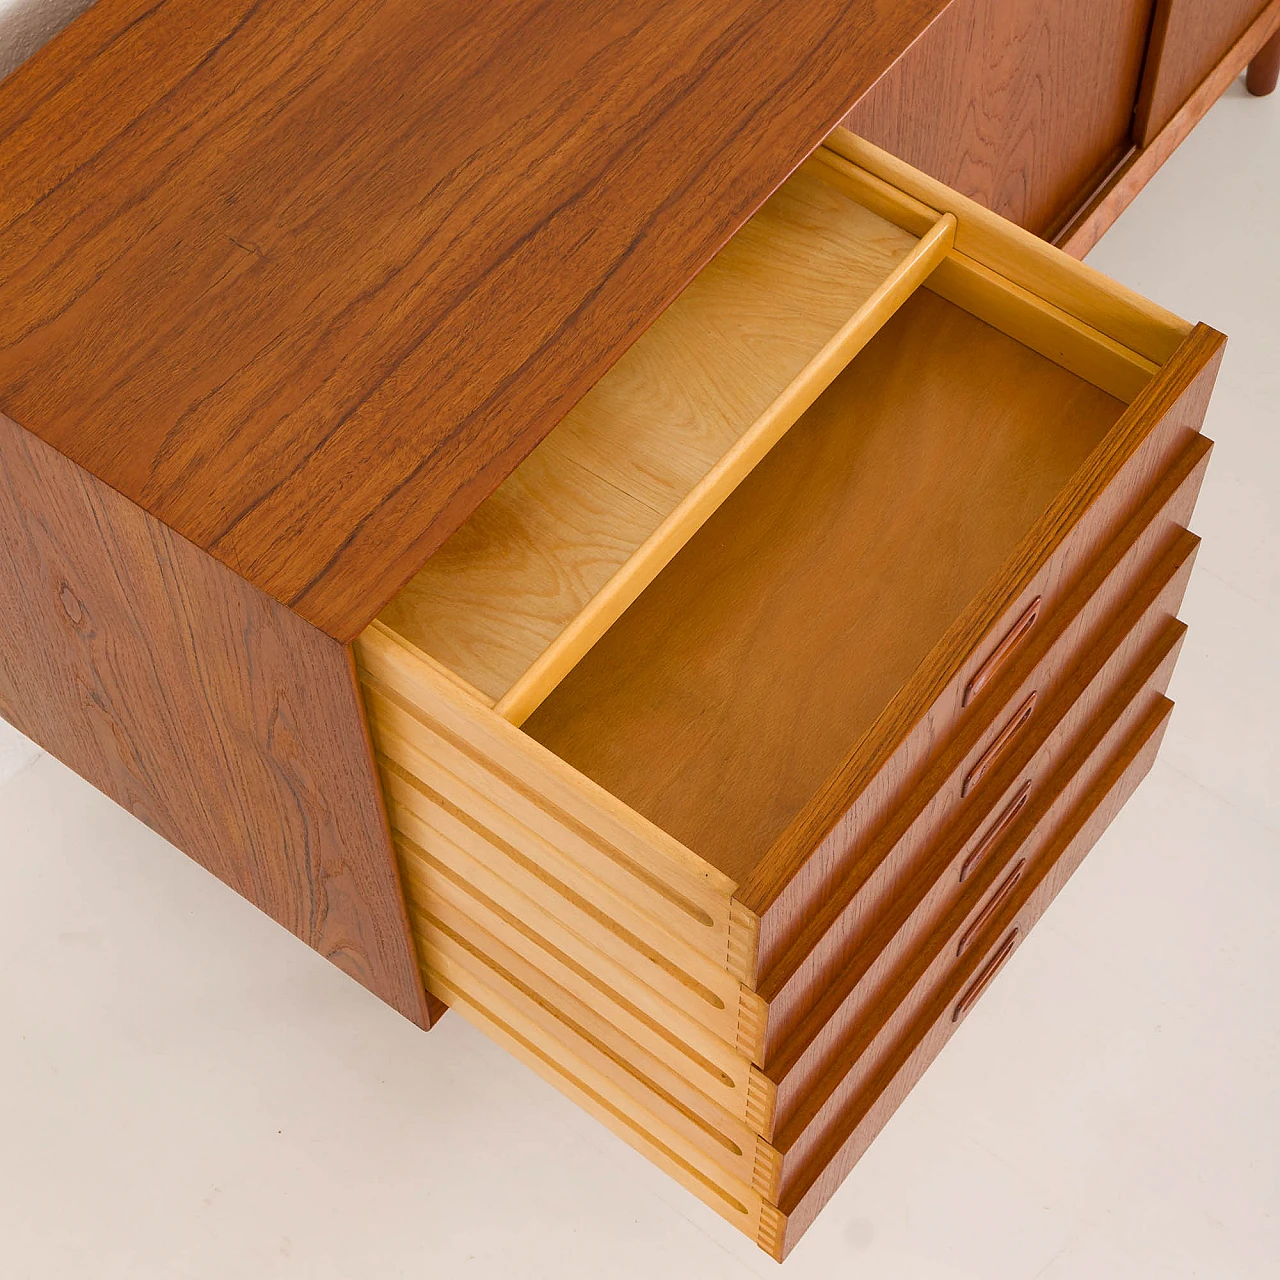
(1116, 193)
(1022, 105)
(807, 975)
(222, 720)
(306, 282)
(724, 697)
(647, 436)
(919, 1046)
(855, 799)
(1189, 38)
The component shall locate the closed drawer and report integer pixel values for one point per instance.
(884, 469)
(1029, 877)
(733, 1168)
(913, 979)
(482, 992)
(955, 782)
(1137, 648)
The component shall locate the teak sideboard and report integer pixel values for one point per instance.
(583, 539)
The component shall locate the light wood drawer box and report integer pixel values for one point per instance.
(780, 579)
(665, 1063)
(742, 1175)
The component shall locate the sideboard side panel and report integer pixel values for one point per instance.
(225, 722)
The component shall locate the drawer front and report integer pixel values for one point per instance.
(810, 1182)
(909, 988)
(1139, 648)
(817, 851)
(838, 926)
(927, 969)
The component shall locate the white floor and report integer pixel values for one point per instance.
(25, 25)
(187, 1092)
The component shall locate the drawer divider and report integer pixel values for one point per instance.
(648, 560)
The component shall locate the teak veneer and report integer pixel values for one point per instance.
(206, 708)
(283, 251)
(579, 538)
(668, 872)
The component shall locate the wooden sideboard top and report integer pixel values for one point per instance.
(306, 280)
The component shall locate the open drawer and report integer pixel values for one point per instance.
(643, 712)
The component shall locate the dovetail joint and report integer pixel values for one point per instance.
(766, 1170)
(752, 1011)
(773, 1223)
(762, 1095)
(743, 944)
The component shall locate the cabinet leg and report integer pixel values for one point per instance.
(1264, 70)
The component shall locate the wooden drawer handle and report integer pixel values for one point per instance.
(996, 830)
(994, 904)
(983, 980)
(1003, 739)
(1017, 634)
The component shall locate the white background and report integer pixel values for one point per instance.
(188, 1092)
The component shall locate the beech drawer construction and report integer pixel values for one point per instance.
(734, 741)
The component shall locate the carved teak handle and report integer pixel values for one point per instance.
(1017, 634)
(994, 904)
(996, 830)
(1003, 739)
(983, 980)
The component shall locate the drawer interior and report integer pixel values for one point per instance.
(730, 611)
(727, 693)
(559, 550)
(704, 586)
(712, 578)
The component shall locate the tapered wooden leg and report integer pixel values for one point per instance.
(1264, 70)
